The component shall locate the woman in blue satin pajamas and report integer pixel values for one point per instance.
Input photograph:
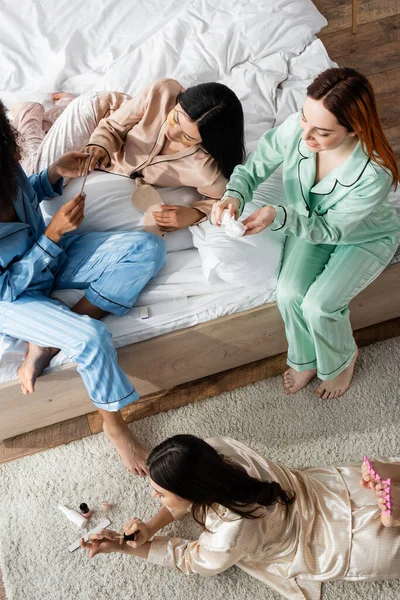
(112, 267)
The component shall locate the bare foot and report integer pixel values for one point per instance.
(131, 451)
(57, 96)
(386, 501)
(339, 385)
(384, 471)
(35, 361)
(293, 381)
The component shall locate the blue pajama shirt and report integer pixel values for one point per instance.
(112, 267)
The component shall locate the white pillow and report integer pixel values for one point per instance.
(108, 206)
(252, 261)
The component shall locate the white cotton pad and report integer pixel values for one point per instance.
(233, 228)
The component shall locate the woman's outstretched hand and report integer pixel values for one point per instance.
(172, 218)
(227, 203)
(96, 156)
(69, 164)
(100, 546)
(259, 220)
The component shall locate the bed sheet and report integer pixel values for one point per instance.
(257, 47)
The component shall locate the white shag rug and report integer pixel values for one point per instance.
(299, 431)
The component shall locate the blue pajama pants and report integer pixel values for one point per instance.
(113, 268)
(315, 286)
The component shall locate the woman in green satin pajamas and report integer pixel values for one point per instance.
(338, 168)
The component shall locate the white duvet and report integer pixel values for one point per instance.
(265, 50)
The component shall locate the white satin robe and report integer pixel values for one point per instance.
(332, 531)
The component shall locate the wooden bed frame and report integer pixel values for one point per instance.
(169, 360)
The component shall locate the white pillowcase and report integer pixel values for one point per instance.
(252, 261)
(108, 206)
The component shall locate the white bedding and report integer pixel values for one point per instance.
(265, 50)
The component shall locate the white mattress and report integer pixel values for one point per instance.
(265, 50)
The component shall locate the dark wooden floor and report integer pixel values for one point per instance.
(375, 51)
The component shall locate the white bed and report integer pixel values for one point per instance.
(265, 50)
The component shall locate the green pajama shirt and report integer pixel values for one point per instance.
(341, 234)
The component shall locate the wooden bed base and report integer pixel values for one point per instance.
(170, 360)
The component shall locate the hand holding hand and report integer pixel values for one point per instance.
(143, 533)
(97, 156)
(67, 218)
(259, 220)
(232, 204)
(69, 164)
(172, 218)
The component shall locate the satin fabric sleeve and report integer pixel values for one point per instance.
(16, 277)
(111, 132)
(189, 556)
(42, 186)
(294, 589)
(269, 155)
(194, 557)
(211, 194)
(338, 224)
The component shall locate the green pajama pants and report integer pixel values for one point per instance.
(315, 286)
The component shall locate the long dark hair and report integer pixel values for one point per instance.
(218, 114)
(9, 160)
(193, 470)
(349, 96)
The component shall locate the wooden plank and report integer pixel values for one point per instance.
(338, 12)
(391, 26)
(389, 111)
(196, 391)
(343, 43)
(393, 135)
(43, 439)
(386, 84)
(231, 379)
(182, 356)
(383, 58)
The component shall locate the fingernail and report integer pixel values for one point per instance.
(84, 194)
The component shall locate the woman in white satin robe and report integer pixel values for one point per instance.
(317, 525)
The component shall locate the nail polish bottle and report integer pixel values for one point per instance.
(130, 536)
(85, 510)
(73, 516)
(105, 507)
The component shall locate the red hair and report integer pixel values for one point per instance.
(349, 96)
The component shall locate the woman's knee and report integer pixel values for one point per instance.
(156, 252)
(288, 295)
(315, 308)
(93, 335)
